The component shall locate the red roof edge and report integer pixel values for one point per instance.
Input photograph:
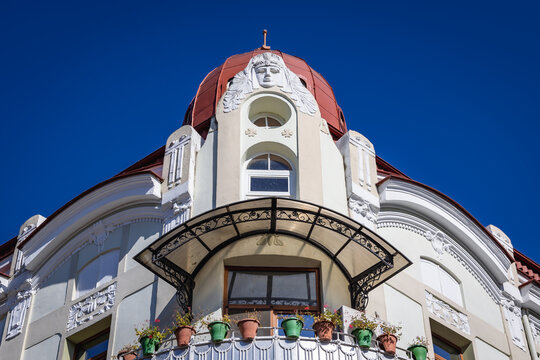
(7, 248)
(531, 264)
(453, 202)
(154, 159)
(388, 169)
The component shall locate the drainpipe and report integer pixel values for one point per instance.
(528, 334)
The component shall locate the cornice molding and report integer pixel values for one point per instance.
(409, 222)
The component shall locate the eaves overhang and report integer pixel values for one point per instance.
(365, 258)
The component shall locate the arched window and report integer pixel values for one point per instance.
(269, 174)
(96, 273)
(434, 276)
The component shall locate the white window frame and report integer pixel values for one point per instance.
(266, 116)
(287, 174)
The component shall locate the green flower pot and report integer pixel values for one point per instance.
(419, 352)
(363, 337)
(218, 330)
(149, 345)
(292, 327)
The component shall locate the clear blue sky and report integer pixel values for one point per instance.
(448, 92)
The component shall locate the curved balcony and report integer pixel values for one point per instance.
(274, 347)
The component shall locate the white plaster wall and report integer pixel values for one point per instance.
(140, 236)
(132, 312)
(205, 173)
(91, 251)
(476, 300)
(208, 292)
(45, 350)
(52, 294)
(333, 176)
(484, 351)
(402, 310)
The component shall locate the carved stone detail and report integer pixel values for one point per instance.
(287, 133)
(512, 314)
(18, 313)
(364, 208)
(324, 127)
(94, 305)
(444, 311)
(438, 241)
(251, 132)
(100, 232)
(268, 70)
(179, 214)
(270, 239)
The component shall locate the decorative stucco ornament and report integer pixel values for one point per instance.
(251, 132)
(512, 314)
(270, 239)
(444, 311)
(94, 305)
(438, 241)
(364, 208)
(18, 313)
(100, 232)
(324, 127)
(267, 70)
(287, 133)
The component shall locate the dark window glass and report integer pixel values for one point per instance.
(445, 351)
(273, 122)
(94, 348)
(272, 288)
(261, 122)
(277, 163)
(269, 184)
(259, 163)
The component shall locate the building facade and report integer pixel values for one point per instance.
(264, 200)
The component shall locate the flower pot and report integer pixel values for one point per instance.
(148, 345)
(248, 328)
(292, 327)
(388, 343)
(363, 337)
(126, 355)
(183, 335)
(324, 329)
(218, 330)
(419, 352)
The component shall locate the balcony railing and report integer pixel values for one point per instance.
(274, 346)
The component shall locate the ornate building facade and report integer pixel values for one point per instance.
(263, 199)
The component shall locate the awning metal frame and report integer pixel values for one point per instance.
(295, 212)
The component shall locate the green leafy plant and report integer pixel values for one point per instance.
(391, 329)
(255, 315)
(180, 319)
(363, 322)
(151, 331)
(419, 340)
(327, 315)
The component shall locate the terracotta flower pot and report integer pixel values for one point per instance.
(388, 343)
(183, 335)
(292, 327)
(324, 330)
(248, 328)
(126, 355)
(419, 352)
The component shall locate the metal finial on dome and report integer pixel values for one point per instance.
(264, 46)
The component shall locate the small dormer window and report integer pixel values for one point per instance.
(269, 174)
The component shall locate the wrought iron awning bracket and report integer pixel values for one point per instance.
(363, 283)
(183, 282)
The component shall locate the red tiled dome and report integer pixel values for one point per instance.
(214, 85)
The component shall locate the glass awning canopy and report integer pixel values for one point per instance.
(365, 258)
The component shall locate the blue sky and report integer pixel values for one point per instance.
(448, 92)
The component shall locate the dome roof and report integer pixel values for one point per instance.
(214, 85)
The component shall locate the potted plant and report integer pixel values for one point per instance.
(418, 347)
(218, 328)
(248, 326)
(292, 324)
(183, 331)
(389, 337)
(325, 323)
(127, 352)
(150, 337)
(362, 329)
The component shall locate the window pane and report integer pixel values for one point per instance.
(248, 288)
(273, 122)
(261, 122)
(108, 267)
(270, 184)
(297, 289)
(277, 163)
(445, 351)
(259, 163)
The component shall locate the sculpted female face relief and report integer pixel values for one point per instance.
(269, 75)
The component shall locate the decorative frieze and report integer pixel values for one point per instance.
(94, 305)
(18, 313)
(447, 313)
(512, 315)
(363, 211)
